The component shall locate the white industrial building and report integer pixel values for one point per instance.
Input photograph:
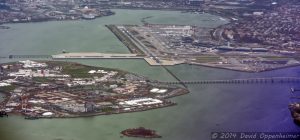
(31, 73)
(32, 64)
(157, 90)
(141, 102)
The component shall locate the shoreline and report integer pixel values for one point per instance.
(170, 104)
(99, 114)
(178, 91)
(51, 20)
(82, 19)
(184, 63)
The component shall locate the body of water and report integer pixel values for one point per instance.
(208, 108)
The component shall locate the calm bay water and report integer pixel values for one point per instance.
(78, 36)
(206, 109)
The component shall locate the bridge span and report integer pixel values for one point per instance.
(270, 80)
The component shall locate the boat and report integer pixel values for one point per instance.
(140, 132)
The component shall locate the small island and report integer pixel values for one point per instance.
(55, 89)
(140, 132)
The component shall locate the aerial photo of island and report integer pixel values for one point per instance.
(149, 69)
(58, 89)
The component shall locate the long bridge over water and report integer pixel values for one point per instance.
(269, 80)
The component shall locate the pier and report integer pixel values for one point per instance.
(271, 80)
